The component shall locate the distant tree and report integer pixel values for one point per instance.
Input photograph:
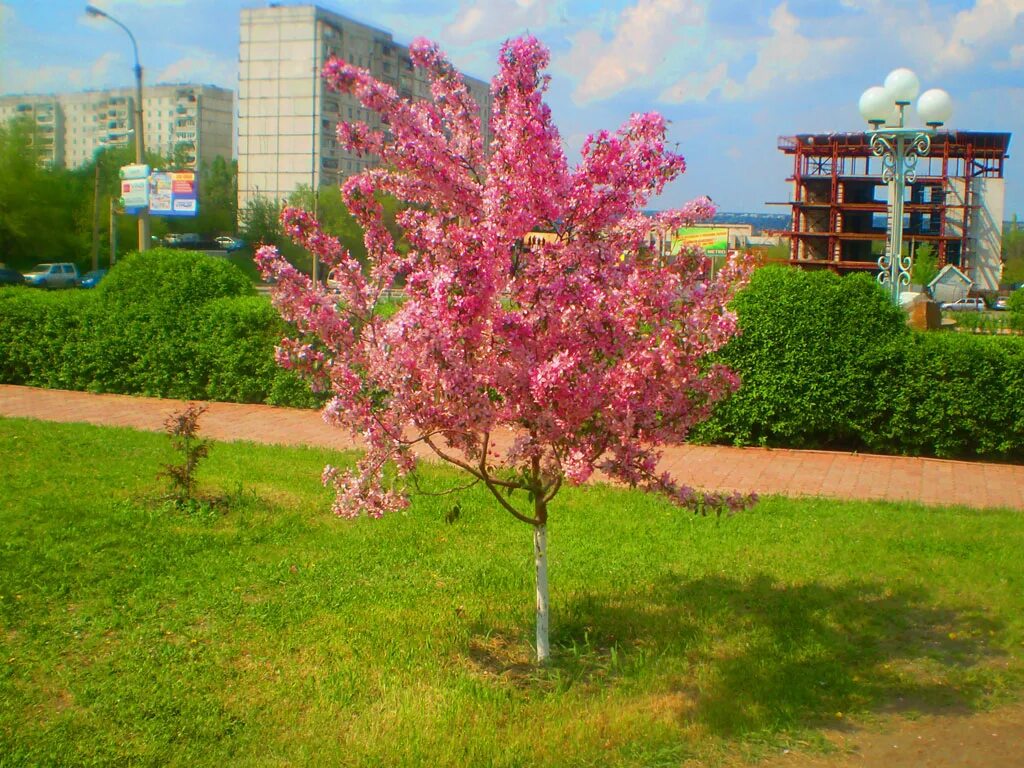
(37, 204)
(261, 222)
(1013, 254)
(336, 220)
(925, 266)
(218, 197)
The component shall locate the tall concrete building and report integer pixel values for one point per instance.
(286, 114)
(194, 121)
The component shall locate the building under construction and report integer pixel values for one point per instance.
(955, 204)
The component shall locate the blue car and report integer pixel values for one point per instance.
(90, 279)
(11, 277)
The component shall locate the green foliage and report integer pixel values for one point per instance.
(163, 279)
(803, 333)
(336, 220)
(1015, 305)
(829, 363)
(1013, 254)
(276, 635)
(167, 323)
(925, 266)
(37, 205)
(948, 395)
(260, 222)
(234, 342)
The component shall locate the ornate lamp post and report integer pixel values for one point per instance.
(899, 148)
(140, 142)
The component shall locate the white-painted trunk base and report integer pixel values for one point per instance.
(540, 555)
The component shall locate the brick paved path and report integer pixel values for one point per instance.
(766, 471)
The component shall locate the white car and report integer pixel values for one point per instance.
(229, 243)
(962, 305)
(53, 275)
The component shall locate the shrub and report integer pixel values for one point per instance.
(172, 278)
(803, 336)
(164, 323)
(41, 335)
(1015, 305)
(234, 343)
(950, 395)
(146, 321)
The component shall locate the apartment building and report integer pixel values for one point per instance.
(955, 204)
(287, 116)
(194, 122)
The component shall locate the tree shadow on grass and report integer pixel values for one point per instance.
(757, 654)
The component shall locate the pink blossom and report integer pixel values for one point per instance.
(591, 348)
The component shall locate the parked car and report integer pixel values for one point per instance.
(53, 275)
(964, 305)
(10, 276)
(1002, 304)
(229, 243)
(90, 279)
(181, 239)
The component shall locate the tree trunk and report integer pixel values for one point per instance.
(540, 553)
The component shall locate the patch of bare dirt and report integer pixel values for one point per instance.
(981, 740)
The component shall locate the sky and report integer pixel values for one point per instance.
(731, 76)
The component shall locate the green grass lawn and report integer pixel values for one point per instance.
(271, 633)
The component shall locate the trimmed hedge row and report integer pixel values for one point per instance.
(829, 362)
(825, 362)
(163, 323)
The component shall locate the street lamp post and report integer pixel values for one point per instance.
(899, 148)
(140, 142)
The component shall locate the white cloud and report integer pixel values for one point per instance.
(498, 19)
(696, 86)
(644, 36)
(60, 77)
(199, 66)
(784, 57)
(973, 30)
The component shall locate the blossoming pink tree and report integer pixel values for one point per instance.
(587, 347)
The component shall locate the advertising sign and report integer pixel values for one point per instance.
(134, 186)
(173, 193)
(711, 239)
(134, 193)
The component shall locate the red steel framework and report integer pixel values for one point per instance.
(837, 181)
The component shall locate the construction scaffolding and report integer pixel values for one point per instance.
(839, 205)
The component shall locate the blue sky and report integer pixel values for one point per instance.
(731, 75)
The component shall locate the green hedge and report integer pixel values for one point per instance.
(802, 336)
(825, 362)
(949, 395)
(164, 323)
(828, 362)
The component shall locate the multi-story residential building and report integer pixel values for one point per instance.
(287, 116)
(839, 205)
(193, 123)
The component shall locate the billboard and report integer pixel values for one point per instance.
(167, 193)
(173, 193)
(711, 239)
(134, 186)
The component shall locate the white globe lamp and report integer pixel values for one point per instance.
(876, 105)
(935, 107)
(903, 85)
